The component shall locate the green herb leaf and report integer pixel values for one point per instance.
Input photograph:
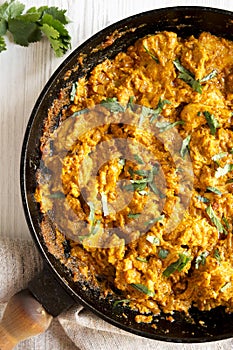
(138, 159)
(56, 33)
(209, 76)
(159, 108)
(92, 213)
(188, 77)
(151, 54)
(95, 227)
(201, 259)
(164, 126)
(123, 301)
(133, 215)
(112, 105)
(104, 201)
(28, 27)
(153, 240)
(157, 191)
(185, 146)
(82, 111)
(212, 122)
(225, 287)
(215, 220)
(219, 156)
(141, 259)
(226, 222)
(11, 10)
(163, 253)
(177, 265)
(217, 255)
(24, 32)
(214, 190)
(130, 104)
(3, 27)
(121, 162)
(57, 195)
(73, 91)
(153, 221)
(223, 171)
(2, 44)
(55, 12)
(203, 199)
(143, 289)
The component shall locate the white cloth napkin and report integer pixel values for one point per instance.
(20, 261)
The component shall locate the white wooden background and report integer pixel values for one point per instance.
(23, 73)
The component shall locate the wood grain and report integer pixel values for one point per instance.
(24, 72)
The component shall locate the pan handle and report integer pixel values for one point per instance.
(24, 317)
(31, 311)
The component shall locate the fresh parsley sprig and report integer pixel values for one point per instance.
(30, 26)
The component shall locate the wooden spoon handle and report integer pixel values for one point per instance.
(24, 317)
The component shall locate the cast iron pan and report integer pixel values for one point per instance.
(54, 288)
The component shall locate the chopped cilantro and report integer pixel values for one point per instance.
(185, 146)
(203, 199)
(219, 156)
(104, 201)
(130, 104)
(189, 77)
(178, 265)
(121, 162)
(112, 105)
(215, 220)
(151, 54)
(209, 76)
(57, 195)
(201, 259)
(73, 91)
(134, 215)
(154, 113)
(223, 171)
(153, 240)
(164, 126)
(141, 259)
(143, 289)
(95, 224)
(225, 287)
(147, 179)
(82, 111)
(214, 190)
(138, 159)
(159, 108)
(163, 253)
(226, 222)
(30, 26)
(122, 301)
(212, 122)
(217, 255)
(153, 221)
